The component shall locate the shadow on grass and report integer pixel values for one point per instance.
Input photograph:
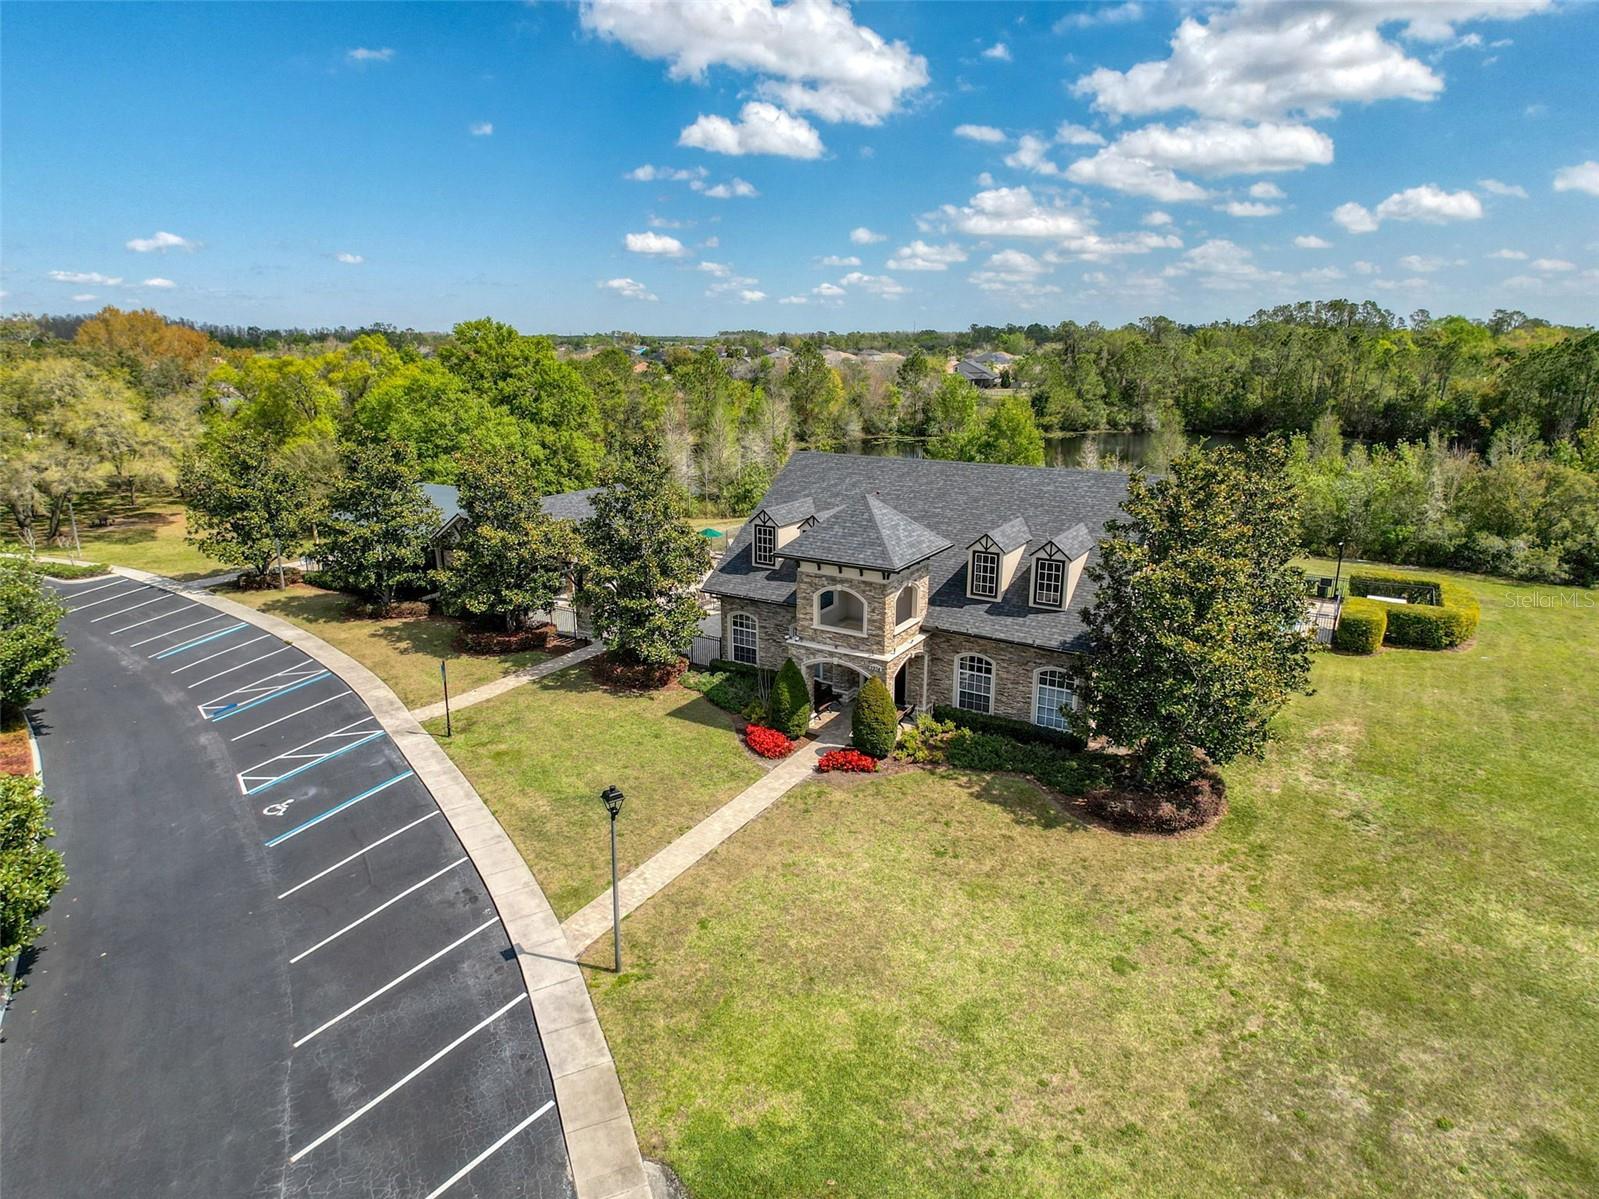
(1021, 798)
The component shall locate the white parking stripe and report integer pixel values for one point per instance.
(358, 853)
(129, 608)
(488, 1153)
(305, 953)
(290, 716)
(381, 1096)
(151, 620)
(107, 600)
(394, 982)
(174, 632)
(220, 652)
(285, 649)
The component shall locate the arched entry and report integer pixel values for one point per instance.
(832, 681)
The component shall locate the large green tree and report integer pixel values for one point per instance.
(31, 646)
(512, 559)
(247, 500)
(379, 523)
(646, 562)
(1194, 624)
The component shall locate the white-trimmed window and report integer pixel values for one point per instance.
(985, 574)
(1052, 691)
(974, 683)
(1049, 582)
(763, 546)
(905, 606)
(840, 609)
(744, 638)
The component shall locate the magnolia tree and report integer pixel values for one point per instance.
(1196, 623)
(247, 502)
(646, 562)
(380, 524)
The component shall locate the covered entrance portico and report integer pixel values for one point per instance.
(835, 675)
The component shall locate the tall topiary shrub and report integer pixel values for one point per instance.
(790, 704)
(875, 726)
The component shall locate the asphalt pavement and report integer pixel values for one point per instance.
(273, 971)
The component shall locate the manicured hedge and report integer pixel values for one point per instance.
(1361, 625)
(1421, 623)
(875, 725)
(790, 701)
(59, 570)
(1004, 726)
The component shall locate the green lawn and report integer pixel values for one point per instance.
(1377, 976)
(540, 756)
(404, 652)
(150, 537)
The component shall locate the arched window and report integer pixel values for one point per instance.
(840, 609)
(905, 605)
(744, 638)
(1052, 691)
(974, 683)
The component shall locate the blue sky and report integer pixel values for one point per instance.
(815, 166)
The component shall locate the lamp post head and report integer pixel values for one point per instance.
(613, 801)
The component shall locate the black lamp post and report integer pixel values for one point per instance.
(1339, 572)
(613, 798)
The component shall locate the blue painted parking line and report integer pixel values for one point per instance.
(339, 807)
(259, 777)
(198, 641)
(235, 709)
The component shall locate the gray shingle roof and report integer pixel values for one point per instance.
(958, 502)
(790, 513)
(1009, 535)
(565, 505)
(974, 371)
(1074, 542)
(864, 531)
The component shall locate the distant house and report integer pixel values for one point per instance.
(954, 582)
(994, 359)
(975, 372)
(568, 616)
(779, 353)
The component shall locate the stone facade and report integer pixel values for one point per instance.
(1014, 666)
(772, 625)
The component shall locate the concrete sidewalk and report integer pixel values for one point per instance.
(593, 920)
(515, 679)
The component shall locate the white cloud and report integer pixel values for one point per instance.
(1223, 265)
(1512, 255)
(761, 128)
(649, 174)
(734, 188)
(1013, 273)
(998, 52)
(839, 260)
(1109, 14)
(1135, 177)
(862, 236)
(661, 222)
(1267, 191)
(1430, 204)
(1226, 148)
(654, 243)
(1365, 268)
(793, 300)
(880, 285)
(1415, 283)
(1322, 274)
(363, 54)
(1309, 241)
(1249, 208)
(1016, 212)
(1552, 264)
(1030, 156)
(809, 56)
(629, 289)
(1496, 188)
(161, 242)
(980, 133)
(1263, 59)
(922, 256)
(1070, 134)
(1356, 218)
(84, 297)
(1581, 177)
(349, 259)
(712, 242)
(720, 270)
(159, 282)
(829, 291)
(1422, 266)
(86, 277)
(481, 129)
(1156, 219)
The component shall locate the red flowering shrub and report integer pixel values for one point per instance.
(851, 761)
(769, 743)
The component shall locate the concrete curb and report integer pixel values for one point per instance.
(600, 1143)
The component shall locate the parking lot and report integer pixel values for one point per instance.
(274, 970)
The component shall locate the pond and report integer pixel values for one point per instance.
(1152, 450)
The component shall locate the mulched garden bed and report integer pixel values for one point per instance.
(249, 581)
(15, 757)
(1195, 805)
(630, 676)
(483, 641)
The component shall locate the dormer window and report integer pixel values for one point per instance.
(985, 574)
(1049, 582)
(763, 546)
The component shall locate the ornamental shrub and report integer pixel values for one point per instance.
(769, 743)
(63, 570)
(1068, 773)
(1361, 625)
(875, 726)
(789, 709)
(849, 761)
(1005, 726)
(926, 741)
(30, 872)
(1436, 615)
